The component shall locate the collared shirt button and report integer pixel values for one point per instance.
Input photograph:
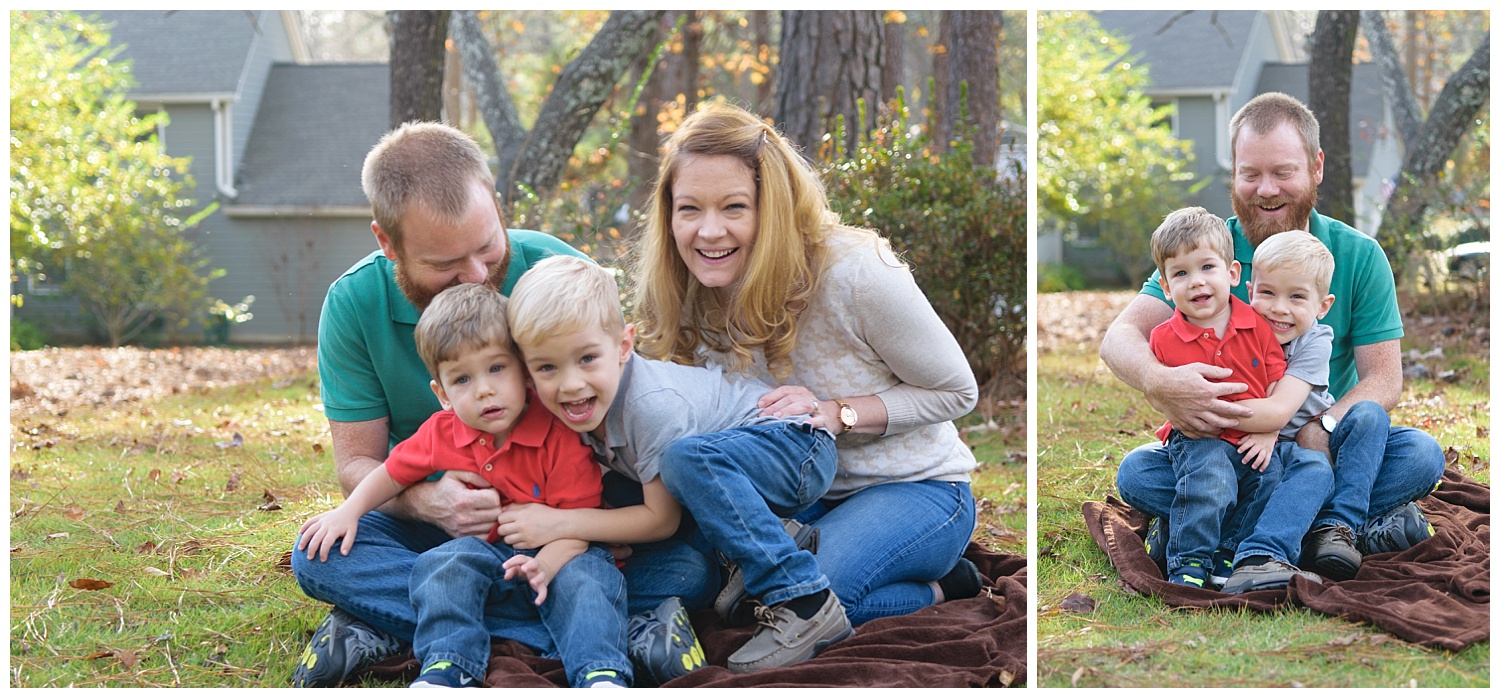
(488, 467)
(481, 442)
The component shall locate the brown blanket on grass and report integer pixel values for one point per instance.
(966, 643)
(1437, 593)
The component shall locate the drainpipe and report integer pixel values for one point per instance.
(223, 149)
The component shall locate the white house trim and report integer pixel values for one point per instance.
(300, 211)
(224, 147)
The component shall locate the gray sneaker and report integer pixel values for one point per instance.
(663, 645)
(1329, 551)
(1268, 575)
(341, 647)
(783, 639)
(1394, 531)
(734, 604)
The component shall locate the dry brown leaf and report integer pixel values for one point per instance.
(285, 561)
(100, 655)
(90, 584)
(120, 507)
(129, 658)
(317, 448)
(233, 483)
(178, 476)
(154, 571)
(73, 512)
(146, 548)
(1078, 603)
(154, 475)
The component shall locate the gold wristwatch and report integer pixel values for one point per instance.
(847, 416)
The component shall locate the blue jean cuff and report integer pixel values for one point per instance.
(788, 593)
(1240, 557)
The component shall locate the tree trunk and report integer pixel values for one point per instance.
(974, 67)
(1392, 75)
(494, 101)
(765, 94)
(453, 86)
(644, 141)
(938, 122)
(578, 94)
(830, 62)
(1453, 114)
(891, 73)
(1328, 76)
(417, 55)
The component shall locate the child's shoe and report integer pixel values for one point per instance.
(1271, 574)
(1223, 567)
(1191, 575)
(1329, 551)
(604, 678)
(444, 675)
(1394, 531)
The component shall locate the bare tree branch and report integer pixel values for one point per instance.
(494, 100)
(1392, 75)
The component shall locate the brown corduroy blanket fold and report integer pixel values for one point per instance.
(1437, 593)
(964, 643)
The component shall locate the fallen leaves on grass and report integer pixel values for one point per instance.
(234, 442)
(269, 502)
(90, 584)
(1078, 603)
(74, 512)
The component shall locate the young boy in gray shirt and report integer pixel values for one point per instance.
(646, 419)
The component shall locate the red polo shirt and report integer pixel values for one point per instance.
(542, 460)
(1249, 348)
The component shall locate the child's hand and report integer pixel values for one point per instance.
(529, 526)
(1257, 449)
(318, 535)
(535, 571)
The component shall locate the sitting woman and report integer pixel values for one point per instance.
(744, 266)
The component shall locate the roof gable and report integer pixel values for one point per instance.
(315, 125)
(1200, 50)
(186, 52)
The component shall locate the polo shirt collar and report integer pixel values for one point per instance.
(531, 431)
(402, 311)
(1241, 318)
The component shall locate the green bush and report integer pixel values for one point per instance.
(25, 336)
(1052, 278)
(959, 225)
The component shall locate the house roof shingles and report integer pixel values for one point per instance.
(1190, 54)
(315, 125)
(1366, 102)
(184, 52)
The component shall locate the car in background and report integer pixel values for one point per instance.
(1470, 260)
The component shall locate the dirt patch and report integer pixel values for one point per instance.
(51, 380)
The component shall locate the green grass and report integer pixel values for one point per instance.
(191, 533)
(1086, 420)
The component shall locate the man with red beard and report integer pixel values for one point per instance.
(1277, 165)
(438, 224)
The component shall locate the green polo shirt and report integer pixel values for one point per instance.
(1364, 307)
(367, 356)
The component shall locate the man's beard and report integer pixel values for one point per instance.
(422, 297)
(1257, 228)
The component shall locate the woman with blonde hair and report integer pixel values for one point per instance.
(743, 265)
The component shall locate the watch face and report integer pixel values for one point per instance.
(1329, 423)
(847, 416)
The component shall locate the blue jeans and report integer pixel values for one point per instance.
(1377, 468)
(739, 482)
(373, 581)
(1209, 477)
(582, 621)
(1288, 511)
(672, 567)
(882, 545)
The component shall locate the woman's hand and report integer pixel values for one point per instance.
(789, 400)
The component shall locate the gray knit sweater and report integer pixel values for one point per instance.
(869, 330)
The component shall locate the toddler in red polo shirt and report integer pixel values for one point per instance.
(493, 425)
(1194, 252)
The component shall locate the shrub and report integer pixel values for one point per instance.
(959, 225)
(25, 336)
(1052, 278)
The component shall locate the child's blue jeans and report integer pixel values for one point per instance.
(581, 622)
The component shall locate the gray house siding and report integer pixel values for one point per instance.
(1196, 121)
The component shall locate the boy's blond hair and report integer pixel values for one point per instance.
(1184, 230)
(561, 294)
(464, 318)
(1297, 251)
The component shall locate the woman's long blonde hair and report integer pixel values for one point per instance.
(675, 315)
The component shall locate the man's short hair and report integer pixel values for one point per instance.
(1266, 112)
(424, 164)
(1296, 251)
(463, 318)
(1184, 230)
(562, 294)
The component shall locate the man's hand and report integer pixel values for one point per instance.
(537, 573)
(461, 503)
(1257, 449)
(529, 526)
(1189, 398)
